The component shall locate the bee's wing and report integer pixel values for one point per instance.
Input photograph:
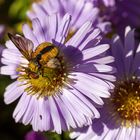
(24, 45)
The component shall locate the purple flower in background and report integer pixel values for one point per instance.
(2, 29)
(120, 13)
(120, 115)
(80, 10)
(107, 3)
(60, 82)
(35, 136)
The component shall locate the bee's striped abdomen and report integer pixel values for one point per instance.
(44, 51)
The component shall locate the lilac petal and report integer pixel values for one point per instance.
(63, 29)
(87, 136)
(86, 102)
(128, 132)
(137, 133)
(105, 76)
(102, 85)
(136, 64)
(64, 124)
(76, 116)
(92, 52)
(9, 44)
(55, 115)
(74, 135)
(109, 2)
(12, 92)
(29, 112)
(48, 116)
(14, 76)
(31, 14)
(38, 30)
(132, 133)
(74, 104)
(53, 20)
(118, 136)
(92, 83)
(92, 36)
(9, 61)
(103, 60)
(35, 120)
(41, 117)
(8, 70)
(21, 107)
(28, 33)
(88, 92)
(15, 56)
(104, 68)
(77, 11)
(82, 107)
(89, 13)
(129, 47)
(40, 114)
(65, 113)
(51, 7)
(105, 27)
(117, 52)
(44, 114)
(79, 35)
(123, 133)
(39, 11)
(109, 135)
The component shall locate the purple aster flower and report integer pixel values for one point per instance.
(35, 136)
(60, 83)
(120, 115)
(80, 10)
(120, 13)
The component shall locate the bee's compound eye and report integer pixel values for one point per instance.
(34, 75)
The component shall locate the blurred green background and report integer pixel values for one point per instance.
(12, 16)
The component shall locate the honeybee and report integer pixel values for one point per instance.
(45, 55)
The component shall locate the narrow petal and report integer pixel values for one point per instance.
(28, 33)
(55, 115)
(79, 35)
(93, 36)
(12, 92)
(21, 107)
(38, 30)
(63, 29)
(92, 52)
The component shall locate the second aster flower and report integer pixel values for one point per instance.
(120, 115)
(60, 83)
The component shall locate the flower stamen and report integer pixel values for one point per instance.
(126, 101)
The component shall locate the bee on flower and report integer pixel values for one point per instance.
(60, 83)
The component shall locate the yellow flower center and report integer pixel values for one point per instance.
(46, 73)
(126, 101)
